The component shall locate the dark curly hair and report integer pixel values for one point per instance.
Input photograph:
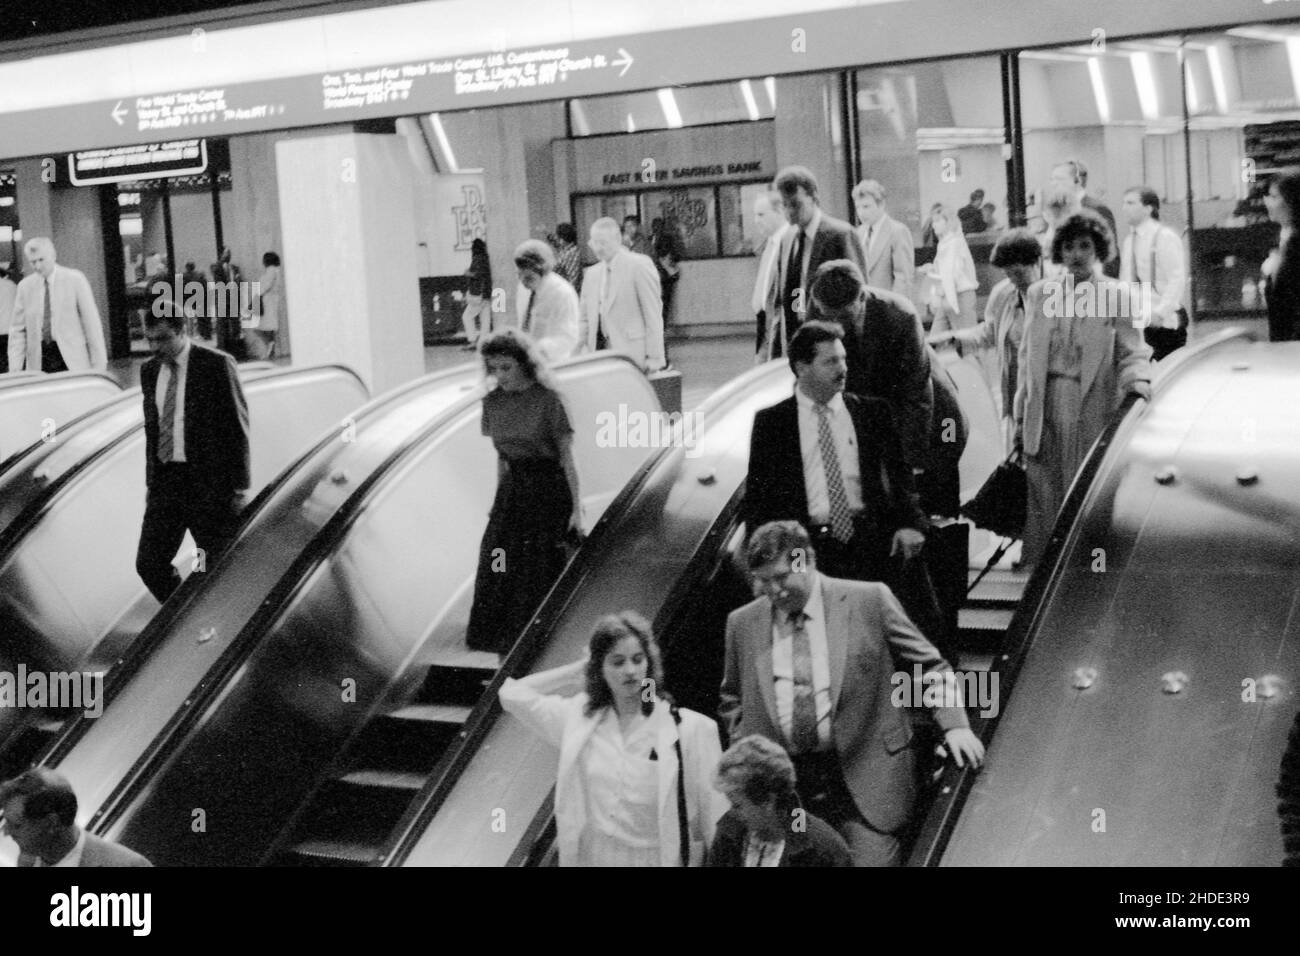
(1017, 247)
(609, 631)
(1085, 223)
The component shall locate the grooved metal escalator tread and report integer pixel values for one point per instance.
(387, 779)
(433, 713)
(338, 852)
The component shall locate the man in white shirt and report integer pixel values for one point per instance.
(55, 324)
(40, 812)
(771, 220)
(1152, 258)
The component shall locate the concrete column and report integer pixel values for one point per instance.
(347, 216)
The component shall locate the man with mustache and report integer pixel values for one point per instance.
(834, 463)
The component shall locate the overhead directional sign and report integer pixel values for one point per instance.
(119, 164)
(874, 31)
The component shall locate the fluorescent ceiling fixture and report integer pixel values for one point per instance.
(130, 226)
(1293, 59)
(6, 200)
(1215, 64)
(1099, 90)
(1259, 33)
(1144, 77)
(1193, 94)
(747, 94)
(1056, 56)
(668, 103)
(631, 124)
(579, 115)
(769, 84)
(444, 144)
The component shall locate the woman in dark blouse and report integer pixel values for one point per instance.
(537, 499)
(1282, 268)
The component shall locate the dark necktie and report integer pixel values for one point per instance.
(47, 317)
(167, 421)
(792, 297)
(528, 313)
(1133, 255)
(841, 514)
(803, 717)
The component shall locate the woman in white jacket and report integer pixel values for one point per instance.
(953, 299)
(622, 750)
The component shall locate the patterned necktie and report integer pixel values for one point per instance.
(47, 318)
(803, 717)
(841, 515)
(167, 422)
(871, 232)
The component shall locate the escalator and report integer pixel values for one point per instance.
(35, 407)
(318, 698)
(1146, 676)
(70, 599)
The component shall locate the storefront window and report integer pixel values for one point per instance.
(691, 212)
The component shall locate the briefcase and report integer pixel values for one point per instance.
(667, 384)
(1000, 505)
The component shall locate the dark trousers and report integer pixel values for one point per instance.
(52, 358)
(1164, 341)
(178, 501)
(823, 792)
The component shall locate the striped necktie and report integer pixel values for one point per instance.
(167, 422)
(841, 514)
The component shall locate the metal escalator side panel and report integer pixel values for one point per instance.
(196, 625)
(1199, 579)
(637, 562)
(31, 406)
(343, 625)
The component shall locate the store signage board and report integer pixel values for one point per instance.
(122, 164)
(829, 39)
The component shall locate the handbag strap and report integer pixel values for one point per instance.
(683, 826)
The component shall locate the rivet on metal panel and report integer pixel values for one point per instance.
(1167, 475)
(1173, 682)
(709, 477)
(1084, 677)
(339, 477)
(1270, 685)
(1247, 475)
(207, 634)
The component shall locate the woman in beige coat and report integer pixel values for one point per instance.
(1079, 356)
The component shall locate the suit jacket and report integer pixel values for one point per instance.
(834, 239)
(562, 721)
(1114, 356)
(891, 259)
(633, 309)
(817, 845)
(869, 638)
(1282, 295)
(766, 290)
(98, 852)
(74, 322)
(1111, 266)
(999, 319)
(216, 420)
(774, 490)
(888, 358)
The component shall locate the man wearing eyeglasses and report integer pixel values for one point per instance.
(811, 664)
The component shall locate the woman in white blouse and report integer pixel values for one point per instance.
(953, 301)
(622, 752)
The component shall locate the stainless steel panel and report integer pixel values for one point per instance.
(32, 407)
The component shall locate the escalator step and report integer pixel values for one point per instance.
(455, 685)
(433, 713)
(335, 852)
(385, 779)
(984, 619)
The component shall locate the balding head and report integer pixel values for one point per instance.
(40, 254)
(606, 238)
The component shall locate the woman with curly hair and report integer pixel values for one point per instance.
(630, 762)
(537, 501)
(1079, 355)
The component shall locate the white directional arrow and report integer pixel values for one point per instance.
(118, 112)
(625, 61)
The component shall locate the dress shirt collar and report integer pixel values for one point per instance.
(182, 357)
(810, 230)
(815, 608)
(806, 403)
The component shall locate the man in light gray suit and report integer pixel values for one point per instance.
(40, 812)
(55, 323)
(810, 665)
(887, 243)
(622, 303)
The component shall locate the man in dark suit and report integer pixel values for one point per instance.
(1072, 176)
(196, 450)
(833, 462)
(814, 238)
(814, 663)
(40, 813)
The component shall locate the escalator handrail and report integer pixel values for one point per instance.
(1022, 632)
(124, 397)
(283, 594)
(156, 631)
(482, 718)
(20, 379)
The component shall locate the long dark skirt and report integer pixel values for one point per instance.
(521, 554)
